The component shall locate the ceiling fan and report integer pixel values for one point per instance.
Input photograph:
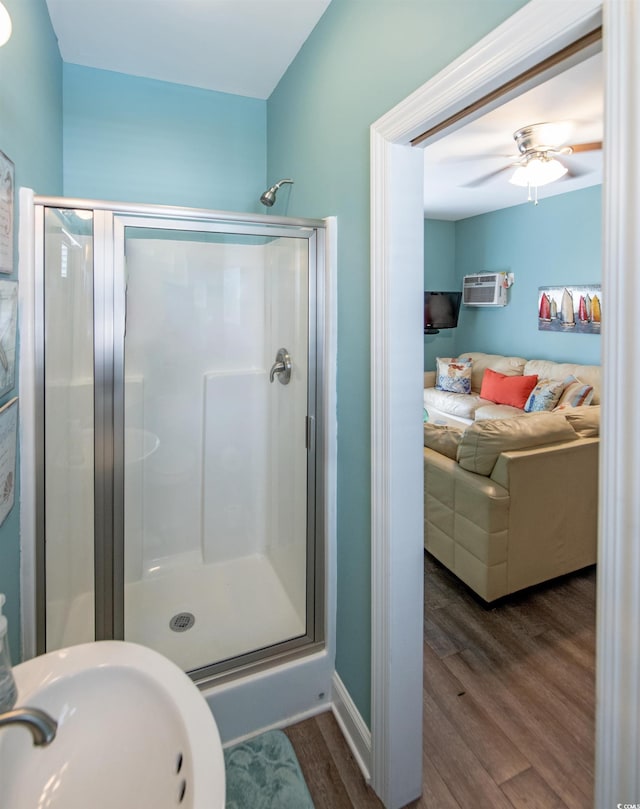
(538, 163)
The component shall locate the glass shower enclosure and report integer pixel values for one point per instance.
(179, 364)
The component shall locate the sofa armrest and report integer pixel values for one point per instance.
(511, 467)
(553, 517)
(465, 523)
(429, 379)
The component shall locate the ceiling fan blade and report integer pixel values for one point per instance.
(486, 178)
(474, 158)
(586, 147)
(576, 171)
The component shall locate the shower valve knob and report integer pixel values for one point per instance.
(281, 367)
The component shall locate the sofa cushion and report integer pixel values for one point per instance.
(509, 366)
(453, 375)
(462, 405)
(483, 441)
(584, 420)
(587, 374)
(509, 390)
(546, 394)
(442, 439)
(490, 410)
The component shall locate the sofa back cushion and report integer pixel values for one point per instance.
(442, 438)
(584, 420)
(483, 441)
(509, 366)
(587, 374)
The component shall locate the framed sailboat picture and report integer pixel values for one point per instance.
(570, 309)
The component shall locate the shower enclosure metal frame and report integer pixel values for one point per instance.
(109, 223)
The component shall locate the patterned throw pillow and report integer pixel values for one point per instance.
(575, 394)
(545, 395)
(453, 375)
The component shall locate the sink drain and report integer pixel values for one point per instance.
(182, 621)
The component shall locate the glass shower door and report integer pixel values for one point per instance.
(218, 486)
(65, 521)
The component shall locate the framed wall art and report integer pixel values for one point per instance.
(570, 309)
(8, 324)
(8, 441)
(6, 214)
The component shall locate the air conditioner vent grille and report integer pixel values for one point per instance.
(483, 294)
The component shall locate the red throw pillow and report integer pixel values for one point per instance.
(509, 390)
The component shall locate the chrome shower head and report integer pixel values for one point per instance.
(269, 196)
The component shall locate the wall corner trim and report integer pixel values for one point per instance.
(353, 727)
(26, 301)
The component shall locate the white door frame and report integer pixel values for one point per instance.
(538, 30)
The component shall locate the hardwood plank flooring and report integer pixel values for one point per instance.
(332, 774)
(509, 696)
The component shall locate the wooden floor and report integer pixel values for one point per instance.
(508, 704)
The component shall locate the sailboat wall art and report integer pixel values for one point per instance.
(574, 310)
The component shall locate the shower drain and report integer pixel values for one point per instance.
(182, 621)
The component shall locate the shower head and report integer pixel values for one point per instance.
(269, 196)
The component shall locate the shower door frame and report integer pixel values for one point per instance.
(110, 221)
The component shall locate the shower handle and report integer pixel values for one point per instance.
(281, 367)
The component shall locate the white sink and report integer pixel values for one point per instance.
(133, 733)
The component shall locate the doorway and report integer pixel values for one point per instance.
(396, 237)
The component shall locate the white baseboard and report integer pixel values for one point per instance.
(353, 727)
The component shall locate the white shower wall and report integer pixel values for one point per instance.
(227, 479)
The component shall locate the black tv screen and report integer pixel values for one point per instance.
(441, 310)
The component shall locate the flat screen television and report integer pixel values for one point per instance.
(441, 310)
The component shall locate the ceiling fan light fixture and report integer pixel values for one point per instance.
(538, 171)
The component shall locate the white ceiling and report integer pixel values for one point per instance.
(245, 46)
(233, 46)
(573, 99)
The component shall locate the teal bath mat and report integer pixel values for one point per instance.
(264, 773)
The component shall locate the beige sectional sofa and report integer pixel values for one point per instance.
(512, 502)
(466, 408)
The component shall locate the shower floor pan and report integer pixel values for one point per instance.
(238, 606)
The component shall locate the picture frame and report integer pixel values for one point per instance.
(8, 332)
(7, 185)
(570, 309)
(8, 443)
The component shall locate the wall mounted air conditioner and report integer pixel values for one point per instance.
(485, 289)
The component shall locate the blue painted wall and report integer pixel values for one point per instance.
(361, 59)
(31, 136)
(557, 242)
(141, 140)
(439, 275)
